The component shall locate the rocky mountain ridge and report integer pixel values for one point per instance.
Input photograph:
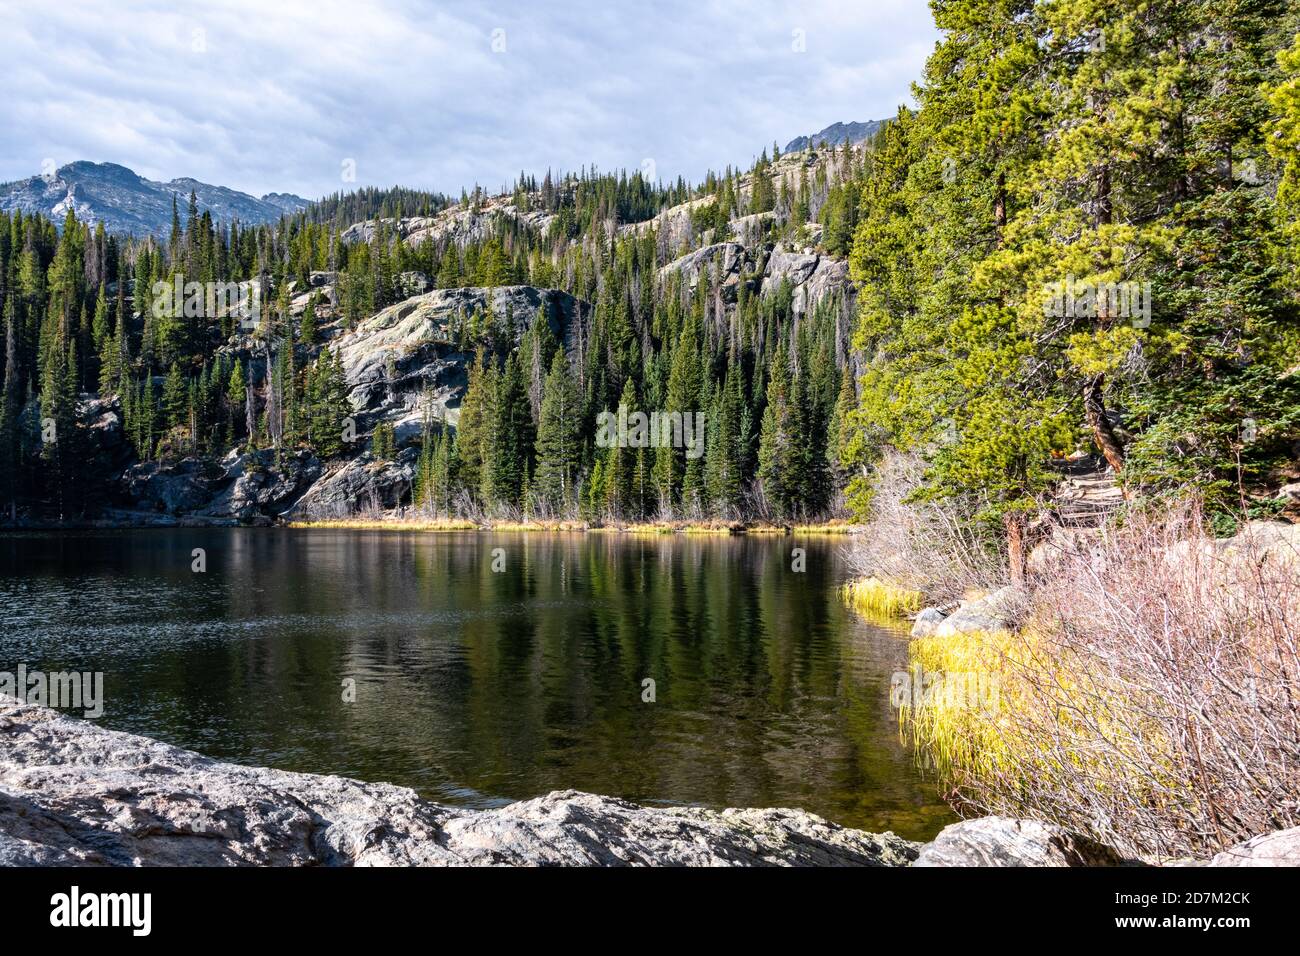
(836, 134)
(126, 202)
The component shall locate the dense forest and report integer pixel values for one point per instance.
(82, 316)
(1098, 146)
(1095, 144)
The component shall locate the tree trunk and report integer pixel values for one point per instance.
(1014, 522)
(1094, 409)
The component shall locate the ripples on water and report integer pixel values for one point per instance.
(476, 687)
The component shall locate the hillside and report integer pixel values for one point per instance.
(414, 362)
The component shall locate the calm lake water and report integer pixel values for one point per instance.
(478, 687)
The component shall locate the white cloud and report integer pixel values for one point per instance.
(273, 97)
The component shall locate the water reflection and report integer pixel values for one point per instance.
(479, 687)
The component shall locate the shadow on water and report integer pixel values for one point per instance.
(477, 686)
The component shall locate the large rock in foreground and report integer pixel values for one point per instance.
(72, 793)
(1281, 848)
(1004, 842)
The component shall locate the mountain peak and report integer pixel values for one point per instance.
(836, 134)
(126, 202)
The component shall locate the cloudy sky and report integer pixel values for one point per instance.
(442, 95)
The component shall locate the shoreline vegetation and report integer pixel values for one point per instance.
(397, 523)
(646, 528)
(1136, 686)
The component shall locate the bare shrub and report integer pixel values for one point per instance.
(1151, 703)
(922, 546)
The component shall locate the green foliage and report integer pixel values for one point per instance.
(1115, 145)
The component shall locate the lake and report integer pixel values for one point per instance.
(487, 667)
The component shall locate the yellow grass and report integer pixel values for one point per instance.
(1015, 733)
(536, 526)
(379, 524)
(830, 527)
(649, 527)
(959, 737)
(879, 598)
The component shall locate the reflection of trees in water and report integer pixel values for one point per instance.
(473, 682)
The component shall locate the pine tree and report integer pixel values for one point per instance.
(10, 409)
(777, 450)
(511, 441)
(175, 398)
(307, 325)
(473, 426)
(723, 475)
(559, 439)
(328, 406)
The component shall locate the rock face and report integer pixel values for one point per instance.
(674, 227)
(459, 224)
(258, 488)
(725, 263)
(997, 612)
(242, 487)
(188, 485)
(811, 277)
(1001, 841)
(72, 793)
(360, 484)
(408, 350)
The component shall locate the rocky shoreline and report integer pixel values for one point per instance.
(76, 794)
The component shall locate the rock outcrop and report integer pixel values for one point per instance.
(927, 621)
(76, 794)
(725, 263)
(1003, 842)
(407, 351)
(261, 487)
(72, 793)
(176, 488)
(995, 612)
(811, 277)
(358, 484)
(1272, 849)
(459, 224)
(242, 487)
